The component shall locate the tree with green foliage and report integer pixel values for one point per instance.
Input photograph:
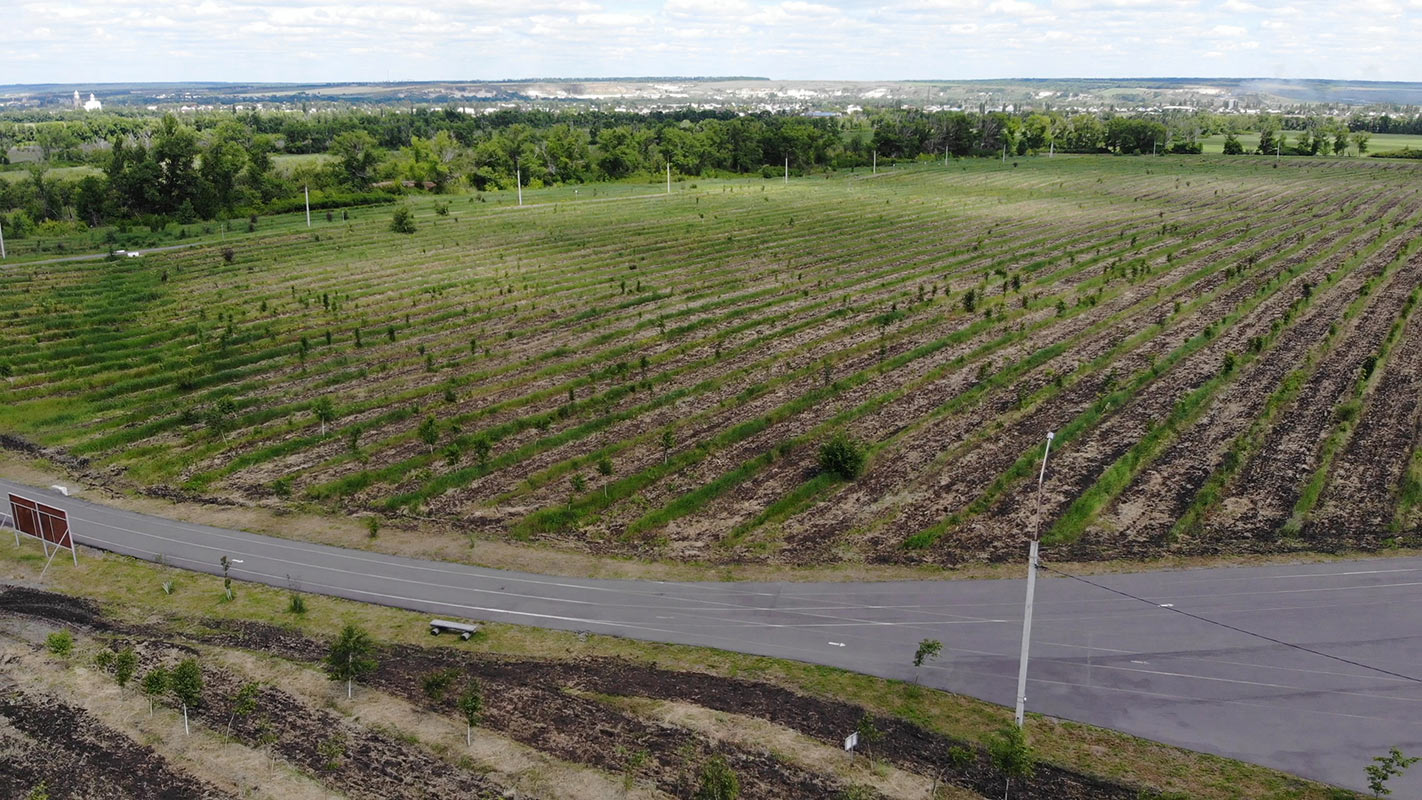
(324, 411)
(928, 649)
(471, 705)
(842, 456)
(1384, 768)
(155, 684)
(1011, 755)
(402, 221)
(351, 656)
(668, 442)
(717, 781)
(869, 733)
(1232, 147)
(125, 664)
(186, 684)
(429, 432)
(244, 702)
(356, 159)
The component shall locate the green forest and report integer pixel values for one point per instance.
(157, 170)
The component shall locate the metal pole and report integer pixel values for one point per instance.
(307, 190)
(1031, 590)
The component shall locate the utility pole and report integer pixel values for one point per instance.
(1031, 589)
(307, 190)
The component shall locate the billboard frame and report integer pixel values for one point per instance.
(44, 522)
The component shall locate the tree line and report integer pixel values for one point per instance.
(216, 165)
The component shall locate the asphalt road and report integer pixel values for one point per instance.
(1098, 657)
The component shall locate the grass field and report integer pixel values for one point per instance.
(1378, 143)
(1225, 350)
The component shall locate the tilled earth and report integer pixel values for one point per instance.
(550, 705)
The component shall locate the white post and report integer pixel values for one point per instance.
(1052, 149)
(349, 656)
(518, 180)
(1031, 590)
(668, 177)
(945, 155)
(787, 170)
(876, 162)
(2, 241)
(307, 190)
(186, 732)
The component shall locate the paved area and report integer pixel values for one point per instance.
(1098, 657)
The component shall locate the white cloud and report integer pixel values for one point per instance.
(339, 40)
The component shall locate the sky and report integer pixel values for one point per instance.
(92, 41)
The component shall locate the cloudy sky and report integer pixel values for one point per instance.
(85, 41)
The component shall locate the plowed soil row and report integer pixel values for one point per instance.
(44, 740)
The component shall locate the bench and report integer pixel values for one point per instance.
(464, 629)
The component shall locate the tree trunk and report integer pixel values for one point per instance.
(186, 732)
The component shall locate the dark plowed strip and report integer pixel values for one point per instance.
(77, 756)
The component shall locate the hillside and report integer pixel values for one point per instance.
(1224, 348)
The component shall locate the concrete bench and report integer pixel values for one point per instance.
(464, 629)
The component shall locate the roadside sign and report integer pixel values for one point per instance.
(851, 741)
(48, 524)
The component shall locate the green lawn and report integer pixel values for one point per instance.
(1379, 143)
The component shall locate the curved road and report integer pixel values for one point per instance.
(1098, 657)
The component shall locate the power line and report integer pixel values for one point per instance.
(1234, 628)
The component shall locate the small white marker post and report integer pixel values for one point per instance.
(876, 163)
(1031, 589)
(668, 178)
(307, 190)
(2, 241)
(787, 170)
(518, 180)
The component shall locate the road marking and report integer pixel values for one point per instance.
(837, 644)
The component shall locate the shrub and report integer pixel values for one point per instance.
(436, 684)
(718, 781)
(1010, 753)
(296, 604)
(60, 643)
(402, 221)
(125, 664)
(842, 456)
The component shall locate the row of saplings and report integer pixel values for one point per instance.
(352, 656)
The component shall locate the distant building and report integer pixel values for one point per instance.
(91, 104)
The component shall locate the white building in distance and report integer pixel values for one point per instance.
(91, 104)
